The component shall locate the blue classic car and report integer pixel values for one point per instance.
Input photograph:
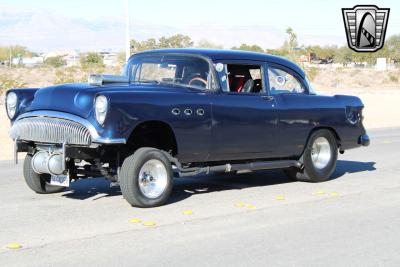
(182, 112)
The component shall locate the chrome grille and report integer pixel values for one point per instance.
(50, 130)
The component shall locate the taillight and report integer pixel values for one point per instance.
(354, 115)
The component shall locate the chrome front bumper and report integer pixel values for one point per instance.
(58, 128)
(50, 130)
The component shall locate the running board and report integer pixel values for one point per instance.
(240, 167)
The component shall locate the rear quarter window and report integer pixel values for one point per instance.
(281, 82)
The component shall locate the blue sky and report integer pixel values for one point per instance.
(312, 20)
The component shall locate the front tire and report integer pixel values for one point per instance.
(38, 182)
(146, 178)
(319, 158)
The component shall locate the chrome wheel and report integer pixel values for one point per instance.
(153, 178)
(321, 152)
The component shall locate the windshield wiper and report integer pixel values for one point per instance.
(148, 81)
(157, 82)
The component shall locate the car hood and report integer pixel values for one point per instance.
(77, 98)
(71, 98)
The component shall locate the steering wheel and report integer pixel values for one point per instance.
(198, 79)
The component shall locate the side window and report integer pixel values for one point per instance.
(282, 82)
(240, 78)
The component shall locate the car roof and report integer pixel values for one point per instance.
(222, 54)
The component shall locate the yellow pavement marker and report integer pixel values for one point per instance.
(14, 246)
(135, 220)
(249, 206)
(280, 197)
(334, 194)
(240, 205)
(188, 212)
(320, 192)
(149, 223)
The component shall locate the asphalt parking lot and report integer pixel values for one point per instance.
(260, 218)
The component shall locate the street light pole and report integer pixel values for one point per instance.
(10, 57)
(127, 40)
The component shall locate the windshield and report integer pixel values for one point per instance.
(180, 70)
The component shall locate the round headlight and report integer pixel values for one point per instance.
(101, 107)
(101, 103)
(12, 99)
(11, 104)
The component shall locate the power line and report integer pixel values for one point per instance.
(127, 38)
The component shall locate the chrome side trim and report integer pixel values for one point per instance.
(96, 138)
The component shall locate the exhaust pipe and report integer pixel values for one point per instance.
(49, 163)
(241, 167)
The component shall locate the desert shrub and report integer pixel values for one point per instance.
(80, 74)
(394, 77)
(55, 62)
(69, 75)
(90, 69)
(91, 60)
(7, 83)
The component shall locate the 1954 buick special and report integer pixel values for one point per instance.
(179, 112)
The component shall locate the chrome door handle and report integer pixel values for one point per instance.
(268, 97)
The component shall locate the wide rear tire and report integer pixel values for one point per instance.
(319, 158)
(146, 178)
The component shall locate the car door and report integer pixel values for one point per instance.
(298, 109)
(244, 123)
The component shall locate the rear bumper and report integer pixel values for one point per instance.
(364, 140)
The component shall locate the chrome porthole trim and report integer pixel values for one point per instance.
(176, 111)
(200, 112)
(321, 153)
(153, 178)
(188, 112)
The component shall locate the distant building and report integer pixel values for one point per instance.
(72, 60)
(28, 61)
(59, 53)
(33, 61)
(381, 63)
(70, 57)
(110, 59)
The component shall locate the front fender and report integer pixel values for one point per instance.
(25, 98)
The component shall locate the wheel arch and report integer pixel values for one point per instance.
(331, 129)
(153, 133)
